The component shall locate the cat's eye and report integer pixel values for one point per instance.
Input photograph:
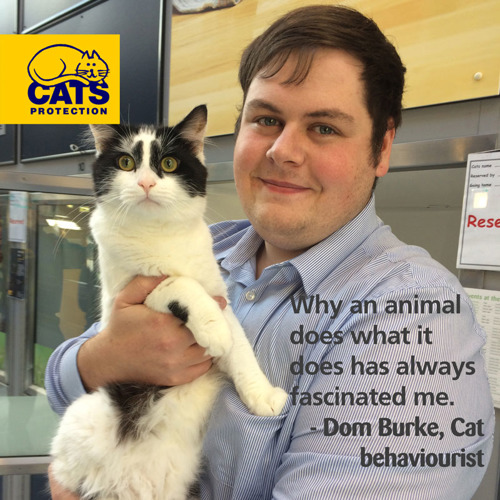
(169, 164)
(126, 163)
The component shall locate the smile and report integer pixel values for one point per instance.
(282, 186)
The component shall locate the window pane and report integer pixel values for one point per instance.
(66, 276)
(4, 201)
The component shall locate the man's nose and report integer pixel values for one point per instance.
(288, 148)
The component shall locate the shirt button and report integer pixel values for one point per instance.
(250, 295)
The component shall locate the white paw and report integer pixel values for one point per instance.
(214, 335)
(267, 403)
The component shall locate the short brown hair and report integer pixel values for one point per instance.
(302, 31)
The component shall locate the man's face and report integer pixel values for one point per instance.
(303, 163)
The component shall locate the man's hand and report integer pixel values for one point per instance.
(142, 345)
(57, 491)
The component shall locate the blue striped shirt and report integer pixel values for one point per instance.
(386, 402)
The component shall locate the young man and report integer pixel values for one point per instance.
(375, 342)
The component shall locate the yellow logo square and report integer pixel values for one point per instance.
(59, 79)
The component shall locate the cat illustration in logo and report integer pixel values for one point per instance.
(62, 63)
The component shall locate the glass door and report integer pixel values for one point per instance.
(4, 203)
(66, 289)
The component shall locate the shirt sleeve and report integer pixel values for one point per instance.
(409, 417)
(62, 379)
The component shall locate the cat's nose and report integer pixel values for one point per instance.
(146, 184)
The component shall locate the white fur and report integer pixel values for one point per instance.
(159, 234)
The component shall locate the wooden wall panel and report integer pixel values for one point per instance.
(443, 43)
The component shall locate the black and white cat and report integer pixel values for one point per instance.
(131, 442)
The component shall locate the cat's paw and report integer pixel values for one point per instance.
(267, 403)
(214, 335)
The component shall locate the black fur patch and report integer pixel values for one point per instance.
(132, 402)
(137, 152)
(194, 490)
(179, 311)
(191, 171)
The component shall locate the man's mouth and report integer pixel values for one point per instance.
(283, 186)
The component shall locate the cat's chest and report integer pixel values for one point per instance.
(123, 256)
(153, 255)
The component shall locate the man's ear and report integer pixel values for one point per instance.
(385, 152)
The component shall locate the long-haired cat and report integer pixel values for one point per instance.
(138, 442)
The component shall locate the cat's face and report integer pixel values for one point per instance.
(152, 173)
(92, 67)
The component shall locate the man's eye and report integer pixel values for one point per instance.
(267, 121)
(325, 130)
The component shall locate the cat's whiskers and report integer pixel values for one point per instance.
(122, 214)
(217, 215)
(169, 136)
(77, 219)
(119, 215)
(112, 200)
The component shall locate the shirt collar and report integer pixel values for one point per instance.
(336, 248)
(331, 251)
(243, 249)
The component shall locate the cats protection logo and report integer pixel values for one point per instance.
(59, 79)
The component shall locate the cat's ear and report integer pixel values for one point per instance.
(101, 134)
(90, 56)
(193, 128)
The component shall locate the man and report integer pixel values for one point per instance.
(375, 342)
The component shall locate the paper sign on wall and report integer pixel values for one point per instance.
(18, 216)
(479, 244)
(487, 307)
